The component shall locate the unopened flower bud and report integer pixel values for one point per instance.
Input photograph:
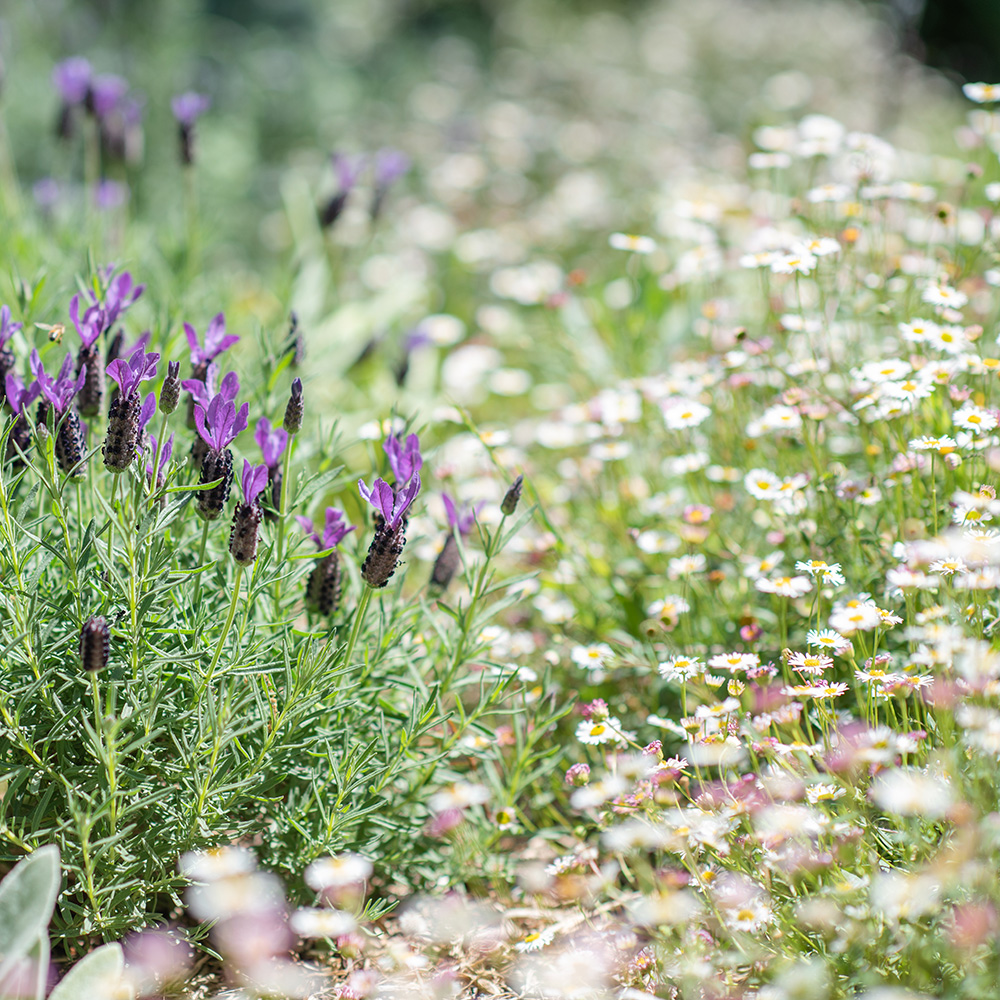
(295, 408)
(736, 687)
(578, 775)
(511, 497)
(95, 644)
(170, 392)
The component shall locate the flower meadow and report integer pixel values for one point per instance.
(553, 553)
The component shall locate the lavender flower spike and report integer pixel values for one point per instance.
(128, 415)
(187, 108)
(244, 535)
(461, 521)
(90, 327)
(216, 341)
(218, 425)
(70, 445)
(390, 534)
(323, 589)
(405, 461)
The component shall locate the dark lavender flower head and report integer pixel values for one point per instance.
(390, 165)
(216, 341)
(59, 391)
(128, 374)
(253, 481)
(7, 328)
(391, 504)
(106, 93)
(188, 107)
(91, 325)
(404, 460)
(72, 79)
(18, 396)
(334, 531)
(271, 441)
(220, 423)
(121, 294)
(348, 169)
(461, 519)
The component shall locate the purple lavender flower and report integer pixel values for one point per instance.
(7, 328)
(140, 367)
(58, 391)
(121, 294)
(72, 79)
(117, 348)
(126, 421)
(348, 169)
(19, 399)
(19, 396)
(106, 94)
(461, 519)
(323, 589)
(392, 505)
(271, 441)
(244, 535)
(390, 165)
(218, 424)
(91, 325)
(168, 450)
(216, 341)
(70, 443)
(404, 460)
(335, 529)
(253, 481)
(89, 357)
(110, 194)
(390, 532)
(189, 106)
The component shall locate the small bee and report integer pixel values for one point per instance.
(56, 331)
